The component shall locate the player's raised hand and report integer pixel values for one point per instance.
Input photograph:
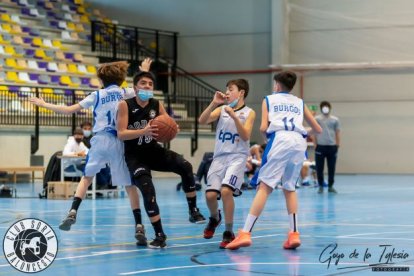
(219, 98)
(145, 65)
(37, 101)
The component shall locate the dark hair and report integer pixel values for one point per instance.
(113, 72)
(286, 79)
(78, 131)
(241, 84)
(324, 103)
(139, 75)
(86, 123)
(263, 146)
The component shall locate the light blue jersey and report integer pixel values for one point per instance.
(105, 103)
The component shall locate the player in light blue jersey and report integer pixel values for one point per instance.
(106, 148)
(226, 173)
(282, 124)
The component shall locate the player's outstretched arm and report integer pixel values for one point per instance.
(212, 113)
(264, 123)
(62, 109)
(310, 119)
(145, 65)
(122, 125)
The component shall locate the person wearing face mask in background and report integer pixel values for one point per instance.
(75, 148)
(143, 154)
(226, 174)
(327, 144)
(87, 133)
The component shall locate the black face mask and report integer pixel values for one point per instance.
(78, 140)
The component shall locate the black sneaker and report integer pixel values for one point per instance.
(228, 237)
(140, 235)
(68, 221)
(211, 226)
(320, 190)
(158, 241)
(196, 216)
(332, 190)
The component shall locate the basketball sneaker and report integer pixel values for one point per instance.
(158, 241)
(228, 237)
(243, 239)
(140, 235)
(293, 240)
(196, 216)
(332, 190)
(68, 221)
(212, 224)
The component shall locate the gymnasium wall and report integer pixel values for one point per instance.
(375, 106)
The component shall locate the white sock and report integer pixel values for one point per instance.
(293, 222)
(249, 223)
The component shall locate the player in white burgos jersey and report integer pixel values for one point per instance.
(282, 123)
(226, 173)
(106, 148)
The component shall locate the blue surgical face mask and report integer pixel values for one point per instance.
(145, 95)
(233, 103)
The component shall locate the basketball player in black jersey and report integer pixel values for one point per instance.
(143, 153)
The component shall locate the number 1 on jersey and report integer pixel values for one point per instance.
(285, 120)
(109, 115)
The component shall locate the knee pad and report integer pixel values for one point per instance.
(187, 176)
(145, 185)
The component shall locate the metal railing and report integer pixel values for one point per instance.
(115, 42)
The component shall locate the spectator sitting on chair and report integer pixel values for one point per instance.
(87, 133)
(75, 147)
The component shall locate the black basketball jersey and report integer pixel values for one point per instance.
(138, 118)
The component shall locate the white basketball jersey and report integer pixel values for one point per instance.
(105, 106)
(285, 113)
(227, 138)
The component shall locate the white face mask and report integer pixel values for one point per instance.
(87, 133)
(325, 110)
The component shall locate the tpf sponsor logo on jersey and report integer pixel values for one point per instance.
(227, 136)
(30, 245)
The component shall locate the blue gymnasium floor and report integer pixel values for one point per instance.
(369, 211)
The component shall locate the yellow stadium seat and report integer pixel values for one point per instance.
(70, 26)
(84, 19)
(57, 44)
(81, 10)
(91, 69)
(9, 50)
(5, 17)
(11, 76)
(65, 80)
(39, 53)
(11, 62)
(78, 57)
(78, 2)
(72, 68)
(6, 28)
(47, 90)
(79, 28)
(37, 41)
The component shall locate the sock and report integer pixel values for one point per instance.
(250, 221)
(158, 228)
(76, 203)
(192, 203)
(293, 222)
(229, 227)
(137, 216)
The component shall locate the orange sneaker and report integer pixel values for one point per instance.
(243, 239)
(293, 240)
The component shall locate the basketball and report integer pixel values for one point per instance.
(167, 128)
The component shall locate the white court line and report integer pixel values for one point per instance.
(114, 252)
(234, 264)
(367, 234)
